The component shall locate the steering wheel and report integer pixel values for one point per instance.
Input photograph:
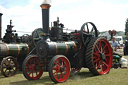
(88, 30)
(37, 35)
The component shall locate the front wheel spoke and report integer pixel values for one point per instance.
(61, 75)
(36, 72)
(105, 64)
(54, 73)
(54, 68)
(56, 63)
(62, 63)
(34, 61)
(30, 72)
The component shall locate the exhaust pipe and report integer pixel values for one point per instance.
(1, 26)
(45, 16)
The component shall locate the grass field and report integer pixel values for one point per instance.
(84, 77)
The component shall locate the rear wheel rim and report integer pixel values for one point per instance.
(34, 68)
(102, 56)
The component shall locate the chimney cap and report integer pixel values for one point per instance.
(46, 1)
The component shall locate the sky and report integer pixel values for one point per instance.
(26, 14)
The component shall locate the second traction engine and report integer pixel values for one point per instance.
(61, 53)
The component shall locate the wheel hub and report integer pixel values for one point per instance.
(10, 67)
(32, 67)
(61, 69)
(102, 56)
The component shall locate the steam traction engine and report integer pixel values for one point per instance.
(58, 52)
(13, 50)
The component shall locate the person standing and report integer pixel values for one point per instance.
(115, 44)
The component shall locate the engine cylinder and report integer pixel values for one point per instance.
(44, 49)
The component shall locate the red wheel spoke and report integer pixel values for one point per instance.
(97, 54)
(99, 44)
(104, 47)
(56, 63)
(105, 64)
(36, 72)
(98, 48)
(98, 63)
(54, 68)
(101, 66)
(61, 75)
(27, 64)
(96, 60)
(56, 74)
(108, 55)
(62, 63)
(34, 61)
(30, 72)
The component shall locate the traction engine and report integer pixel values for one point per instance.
(13, 50)
(61, 53)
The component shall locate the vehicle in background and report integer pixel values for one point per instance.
(119, 39)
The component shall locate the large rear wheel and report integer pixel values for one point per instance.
(99, 56)
(32, 67)
(59, 69)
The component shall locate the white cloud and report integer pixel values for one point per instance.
(106, 16)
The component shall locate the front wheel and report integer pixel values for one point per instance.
(99, 56)
(9, 66)
(59, 69)
(32, 67)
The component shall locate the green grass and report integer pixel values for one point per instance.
(115, 77)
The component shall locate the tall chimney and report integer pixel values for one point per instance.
(1, 25)
(45, 17)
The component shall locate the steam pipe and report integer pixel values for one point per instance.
(45, 18)
(0, 25)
